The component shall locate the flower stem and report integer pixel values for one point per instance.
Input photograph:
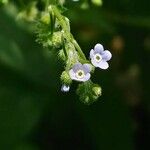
(66, 30)
(46, 5)
(78, 48)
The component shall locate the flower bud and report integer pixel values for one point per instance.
(65, 88)
(97, 90)
(87, 99)
(57, 39)
(97, 2)
(85, 5)
(50, 8)
(3, 2)
(65, 78)
(61, 55)
(29, 14)
(61, 2)
(45, 18)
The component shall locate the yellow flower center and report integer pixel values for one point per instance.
(98, 57)
(80, 74)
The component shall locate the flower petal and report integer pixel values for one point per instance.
(106, 55)
(96, 64)
(103, 65)
(91, 53)
(87, 68)
(72, 74)
(98, 48)
(76, 67)
(86, 78)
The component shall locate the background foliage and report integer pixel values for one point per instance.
(35, 115)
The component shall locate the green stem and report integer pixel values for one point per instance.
(61, 20)
(68, 35)
(78, 48)
(64, 48)
(46, 5)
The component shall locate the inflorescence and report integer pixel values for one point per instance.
(53, 32)
(76, 66)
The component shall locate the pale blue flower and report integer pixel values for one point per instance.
(99, 56)
(65, 88)
(80, 72)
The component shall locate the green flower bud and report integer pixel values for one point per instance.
(29, 14)
(97, 90)
(97, 2)
(57, 39)
(50, 8)
(45, 18)
(65, 78)
(61, 2)
(85, 5)
(87, 99)
(94, 97)
(3, 2)
(88, 92)
(61, 55)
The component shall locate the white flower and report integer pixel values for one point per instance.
(99, 56)
(80, 72)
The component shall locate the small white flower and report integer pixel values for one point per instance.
(80, 72)
(99, 56)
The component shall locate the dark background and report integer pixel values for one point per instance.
(36, 115)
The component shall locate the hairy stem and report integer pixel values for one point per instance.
(66, 30)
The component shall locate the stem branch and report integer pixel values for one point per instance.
(68, 35)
